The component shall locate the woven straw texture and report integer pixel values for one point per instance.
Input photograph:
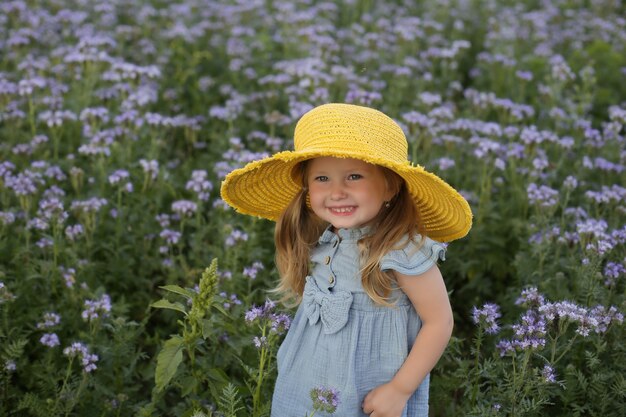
(265, 187)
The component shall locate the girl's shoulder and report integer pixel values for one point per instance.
(414, 256)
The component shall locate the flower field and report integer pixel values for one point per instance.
(128, 287)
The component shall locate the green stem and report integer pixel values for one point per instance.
(478, 343)
(257, 394)
(75, 398)
(68, 373)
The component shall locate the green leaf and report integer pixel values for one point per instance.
(167, 361)
(169, 305)
(179, 290)
(207, 328)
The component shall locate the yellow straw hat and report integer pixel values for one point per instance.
(265, 187)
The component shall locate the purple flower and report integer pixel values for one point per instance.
(325, 399)
(44, 243)
(91, 205)
(445, 163)
(614, 193)
(6, 218)
(236, 236)
(487, 317)
(50, 340)
(612, 271)
(49, 320)
(170, 236)
(87, 359)
(72, 232)
(23, 184)
(592, 227)
(118, 176)
(89, 362)
(150, 167)
(543, 196)
(94, 114)
(548, 374)
(68, 275)
(184, 208)
(199, 184)
(99, 308)
(252, 270)
(530, 297)
(55, 118)
(280, 323)
(260, 342)
(10, 365)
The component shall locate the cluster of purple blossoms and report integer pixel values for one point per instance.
(92, 205)
(118, 176)
(6, 218)
(598, 319)
(68, 275)
(543, 196)
(24, 183)
(530, 297)
(184, 208)
(51, 210)
(151, 167)
(613, 271)
(94, 114)
(44, 242)
(200, 185)
(445, 163)
(252, 270)
(260, 342)
(49, 320)
(55, 118)
(50, 339)
(99, 308)
(325, 399)
(548, 374)
(88, 360)
(606, 195)
(279, 322)
(9, 365)
(229, 300)
(487, 317)
(235, 237)
(171, 237)
(548, 235)
(74, 231)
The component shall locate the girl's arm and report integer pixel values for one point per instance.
(429, 296)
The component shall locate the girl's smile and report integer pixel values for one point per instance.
(346, 192)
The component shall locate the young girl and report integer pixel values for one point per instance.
(353, 246)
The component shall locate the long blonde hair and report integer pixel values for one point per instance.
(298, 229)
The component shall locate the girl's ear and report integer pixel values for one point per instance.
(393, 184)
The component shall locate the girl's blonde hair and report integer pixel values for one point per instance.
(298, 230)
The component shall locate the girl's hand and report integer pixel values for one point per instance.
(386, 400)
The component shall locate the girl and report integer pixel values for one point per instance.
(353, 246)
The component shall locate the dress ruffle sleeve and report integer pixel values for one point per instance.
(415, 258)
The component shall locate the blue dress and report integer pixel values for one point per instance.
(341, 339)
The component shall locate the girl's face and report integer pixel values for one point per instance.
(347, 193)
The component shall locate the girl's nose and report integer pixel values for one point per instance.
(337, 191)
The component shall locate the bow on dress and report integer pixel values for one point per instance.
(331, 308)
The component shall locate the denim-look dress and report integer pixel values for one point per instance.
(340, 339)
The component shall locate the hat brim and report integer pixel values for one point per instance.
(265, 188)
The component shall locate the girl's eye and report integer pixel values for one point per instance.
(321, 178)
(355, 176)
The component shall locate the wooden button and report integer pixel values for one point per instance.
(331, 279)
(327, 260)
